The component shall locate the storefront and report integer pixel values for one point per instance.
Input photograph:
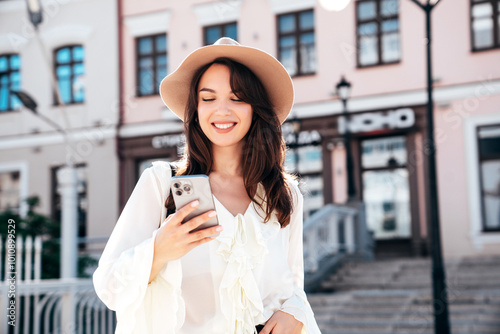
(388, 170)
(136, 154)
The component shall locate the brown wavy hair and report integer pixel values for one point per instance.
(264, 149)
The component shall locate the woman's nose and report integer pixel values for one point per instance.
(223, 107)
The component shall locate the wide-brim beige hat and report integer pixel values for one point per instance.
(174, 88)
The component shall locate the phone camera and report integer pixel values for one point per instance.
(178, 192)
(187, 188)
(177, 185)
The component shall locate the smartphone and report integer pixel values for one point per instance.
(187, 188)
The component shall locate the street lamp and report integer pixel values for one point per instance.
(30, 104)
(35, 12)
(343, 91)
(440, 298)
(67, 175)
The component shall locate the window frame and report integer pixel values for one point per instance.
(378, 20)
(15, 174)
(480, 160)
(496, 24)
(153, 55)
(9, 71)
(222, 27)
(72, 75)
(296, 34)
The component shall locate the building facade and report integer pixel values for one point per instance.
(109, 57)
(379, 47)
(75, 48)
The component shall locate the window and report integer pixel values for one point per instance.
(69, 68)
(296, 42)
(10, 78)
(81, 174)
(212, 33)
(485, 24)
(151, 63)
(377, 32)
(386, 187)
(489, 166)
(10, 191)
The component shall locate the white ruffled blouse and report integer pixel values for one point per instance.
(229, 285)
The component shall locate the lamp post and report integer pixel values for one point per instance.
(66, 176)
(343, 90)
(440, 298)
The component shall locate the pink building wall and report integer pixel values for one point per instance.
(452, 162)
(461, 76)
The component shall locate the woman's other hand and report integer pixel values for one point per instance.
(282, 323)
(175, 239)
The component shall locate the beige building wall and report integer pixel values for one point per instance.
(29, 144)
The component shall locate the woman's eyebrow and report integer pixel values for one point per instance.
(207, 90)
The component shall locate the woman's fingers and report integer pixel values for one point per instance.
(184, 211)
(197, 221)
(175, 238)
(281, 323)
(205, 233)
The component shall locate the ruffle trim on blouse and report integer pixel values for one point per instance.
(243, 247)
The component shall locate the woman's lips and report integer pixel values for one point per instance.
(223, 127)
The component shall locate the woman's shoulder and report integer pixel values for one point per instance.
(160, 168)
(294, 185)
(161, 171)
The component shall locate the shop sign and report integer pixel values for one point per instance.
(168, 141)
(402, 118)
(302, 138)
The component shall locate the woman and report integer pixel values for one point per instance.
(159, 277)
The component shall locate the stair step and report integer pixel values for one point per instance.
(395, 296)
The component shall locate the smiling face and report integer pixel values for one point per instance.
(223, 117)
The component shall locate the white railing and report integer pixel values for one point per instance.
(54, 306)
(24, 259)
(30, 305)
(335, 229)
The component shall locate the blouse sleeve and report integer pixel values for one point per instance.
(121, 279)
(297, 305)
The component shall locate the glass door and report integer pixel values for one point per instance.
(386, 191)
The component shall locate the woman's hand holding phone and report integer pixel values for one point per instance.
(175, 239)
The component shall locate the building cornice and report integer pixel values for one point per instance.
(217, 12)
(94, 135)
(443, 96)
(149, 129)
(148, 24)
(287, 6)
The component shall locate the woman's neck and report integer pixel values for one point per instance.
(227, 160)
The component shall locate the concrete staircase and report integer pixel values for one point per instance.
(394, 296)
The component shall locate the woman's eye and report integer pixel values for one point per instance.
(236, 99)
(207, 99)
